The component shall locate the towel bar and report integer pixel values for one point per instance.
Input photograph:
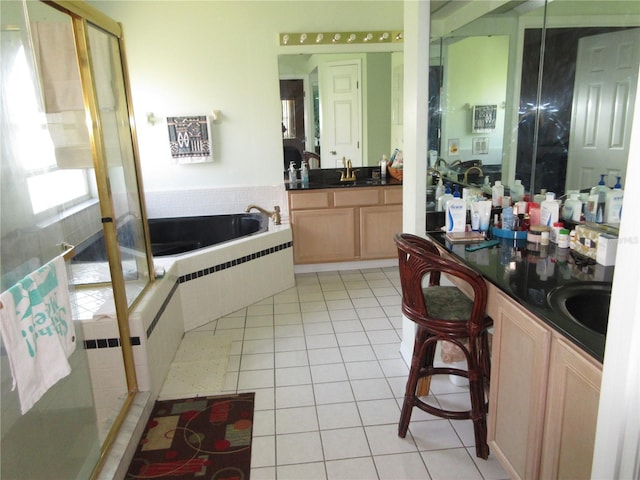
(67, 255)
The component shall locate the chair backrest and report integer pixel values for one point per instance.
(417, 258)
(313, 159)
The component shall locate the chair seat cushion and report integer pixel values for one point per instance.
(447, 303)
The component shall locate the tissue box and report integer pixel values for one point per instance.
(606, 249)
(587, 241)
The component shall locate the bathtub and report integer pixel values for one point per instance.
(170, 236)
(221, 278)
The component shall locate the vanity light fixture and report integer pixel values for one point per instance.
(340, 38)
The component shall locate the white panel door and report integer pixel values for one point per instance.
(604, 95)
(340, 114)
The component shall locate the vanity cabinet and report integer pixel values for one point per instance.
(543, 399)
(345, 224)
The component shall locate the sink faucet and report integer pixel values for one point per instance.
(275, 215)
(455, 162)
(439, 161)
(434, 171)
(466, 173)
(348, 175)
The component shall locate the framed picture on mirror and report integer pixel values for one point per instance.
(484, 118)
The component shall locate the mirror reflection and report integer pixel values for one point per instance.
(551, 121)
(340, 105)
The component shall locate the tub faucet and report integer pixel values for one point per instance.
(275, 215)
(466, 173)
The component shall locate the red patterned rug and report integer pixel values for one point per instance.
(206, 437)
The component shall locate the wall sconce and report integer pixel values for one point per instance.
(341, 38)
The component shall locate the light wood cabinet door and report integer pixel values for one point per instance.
(572, 410)
(519, 372)
(378, 225)
(324, 235)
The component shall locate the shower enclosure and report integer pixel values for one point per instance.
(69, 174)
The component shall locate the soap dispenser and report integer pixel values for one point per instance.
(304, 174)
(444, 198)
(439, 189)
(293, 176)
(613, 204)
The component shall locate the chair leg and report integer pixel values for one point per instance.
(476, 392)
(417, 362)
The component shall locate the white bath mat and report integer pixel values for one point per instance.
(199, 367)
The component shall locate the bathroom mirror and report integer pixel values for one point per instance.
(341, 105)
(536, 145)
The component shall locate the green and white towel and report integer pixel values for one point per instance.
(37, 331)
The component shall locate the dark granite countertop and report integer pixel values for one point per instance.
(528, 276)
(330, 178)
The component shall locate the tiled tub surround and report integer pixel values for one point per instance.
(197, 288)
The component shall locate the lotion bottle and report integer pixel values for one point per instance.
(597, 200)
(439, 190)
(572, 209)
(456, 213)
(613, 204)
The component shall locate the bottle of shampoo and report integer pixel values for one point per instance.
(517, 191)
(456, 213)
(549, 211)
(444, 198)
(613, 204)
(497, 192)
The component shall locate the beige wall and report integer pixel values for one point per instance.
(195, 57)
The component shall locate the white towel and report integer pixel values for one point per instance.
(37, 331)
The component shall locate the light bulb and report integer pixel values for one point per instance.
(319, 38)
(384, 36)
(352, 37)
(337, 37)
(368, 38)
(285, 39)
(303, 37)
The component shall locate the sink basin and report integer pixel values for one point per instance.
(586, 303)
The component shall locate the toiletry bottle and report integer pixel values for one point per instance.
(444, 198)
(383, 166)
(497, 192)
(549, 211)
(534, 213)
(304, 174)
(613, 204)
(293, 176)
(456, 213)
(540, 197)
(597, 200)
(439, 191)
(517, 191)
(572, 208)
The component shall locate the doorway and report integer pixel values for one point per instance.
(293, 126)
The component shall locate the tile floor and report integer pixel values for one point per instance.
(323, 359)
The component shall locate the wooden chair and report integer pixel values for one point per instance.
(444, 314)
(312, 159)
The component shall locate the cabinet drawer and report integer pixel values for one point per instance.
(353, 197)
(392, 196)
(308, 200)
